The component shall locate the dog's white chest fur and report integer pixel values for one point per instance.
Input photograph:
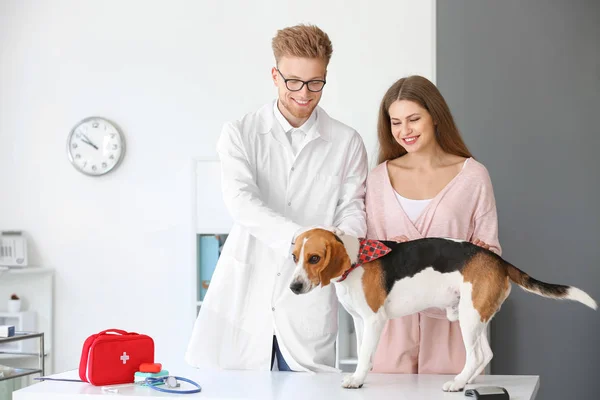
(351, 295)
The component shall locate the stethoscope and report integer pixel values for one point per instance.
(171, 382)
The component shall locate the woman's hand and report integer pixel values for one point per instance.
(481, 244)
(399, 239)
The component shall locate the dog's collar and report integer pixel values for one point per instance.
(368, 251)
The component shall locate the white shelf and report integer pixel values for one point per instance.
(6, 314)
(25, 270)
(21, 356)
(349, 361)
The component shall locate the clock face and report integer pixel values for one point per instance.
(95, 146)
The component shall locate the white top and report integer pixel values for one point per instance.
(412, 208)
(264, 385)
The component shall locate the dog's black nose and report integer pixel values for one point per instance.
(296, 287)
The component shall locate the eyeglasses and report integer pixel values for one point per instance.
(295, 85)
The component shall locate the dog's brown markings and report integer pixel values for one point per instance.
(373, 285)
(490, 282)
(336, 262)
(333, 258)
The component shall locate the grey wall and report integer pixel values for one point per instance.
(523, 81)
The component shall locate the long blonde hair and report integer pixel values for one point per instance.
(426, 94)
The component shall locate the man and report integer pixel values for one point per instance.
(285, 168)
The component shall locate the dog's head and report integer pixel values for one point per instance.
(320, 256)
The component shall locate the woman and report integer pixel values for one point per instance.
(426, 184)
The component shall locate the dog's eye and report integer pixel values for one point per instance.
(294, 258)
(314, 259)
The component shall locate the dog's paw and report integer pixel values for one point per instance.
(453, 386)
(352, 382)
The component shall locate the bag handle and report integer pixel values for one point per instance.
(119, 331)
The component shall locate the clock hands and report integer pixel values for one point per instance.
(88, 141)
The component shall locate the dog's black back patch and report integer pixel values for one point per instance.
(409, 258)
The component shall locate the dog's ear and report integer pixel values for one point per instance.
(322, 270)
(335, 263)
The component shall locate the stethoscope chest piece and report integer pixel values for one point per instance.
(171, 382)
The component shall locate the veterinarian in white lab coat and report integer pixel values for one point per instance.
(286, 167)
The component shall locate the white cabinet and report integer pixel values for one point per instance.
(35, 287)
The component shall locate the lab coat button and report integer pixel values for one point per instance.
(273, 309)
(279, 273)
(289, 203)
(293, 168)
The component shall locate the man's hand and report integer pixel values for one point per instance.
(335, 230)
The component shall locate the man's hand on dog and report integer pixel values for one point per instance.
(337, 231)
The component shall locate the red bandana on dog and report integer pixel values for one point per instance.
(369, 250)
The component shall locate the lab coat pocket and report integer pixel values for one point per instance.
(233, 288)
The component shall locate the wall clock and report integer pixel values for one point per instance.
(95, 146)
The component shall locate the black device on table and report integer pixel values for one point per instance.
(488, 393)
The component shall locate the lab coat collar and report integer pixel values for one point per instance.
(267, 118)
(306, 126)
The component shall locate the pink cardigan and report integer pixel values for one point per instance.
(465, 209)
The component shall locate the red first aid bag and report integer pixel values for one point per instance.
(113, 356)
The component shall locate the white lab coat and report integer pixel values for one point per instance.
(271, 194)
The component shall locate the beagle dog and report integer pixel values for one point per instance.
(379, 280)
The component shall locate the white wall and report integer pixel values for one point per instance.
(169, 73)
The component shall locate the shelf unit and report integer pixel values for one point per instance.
(35, 286)
(20, 372)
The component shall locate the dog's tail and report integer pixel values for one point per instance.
(548, 289)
